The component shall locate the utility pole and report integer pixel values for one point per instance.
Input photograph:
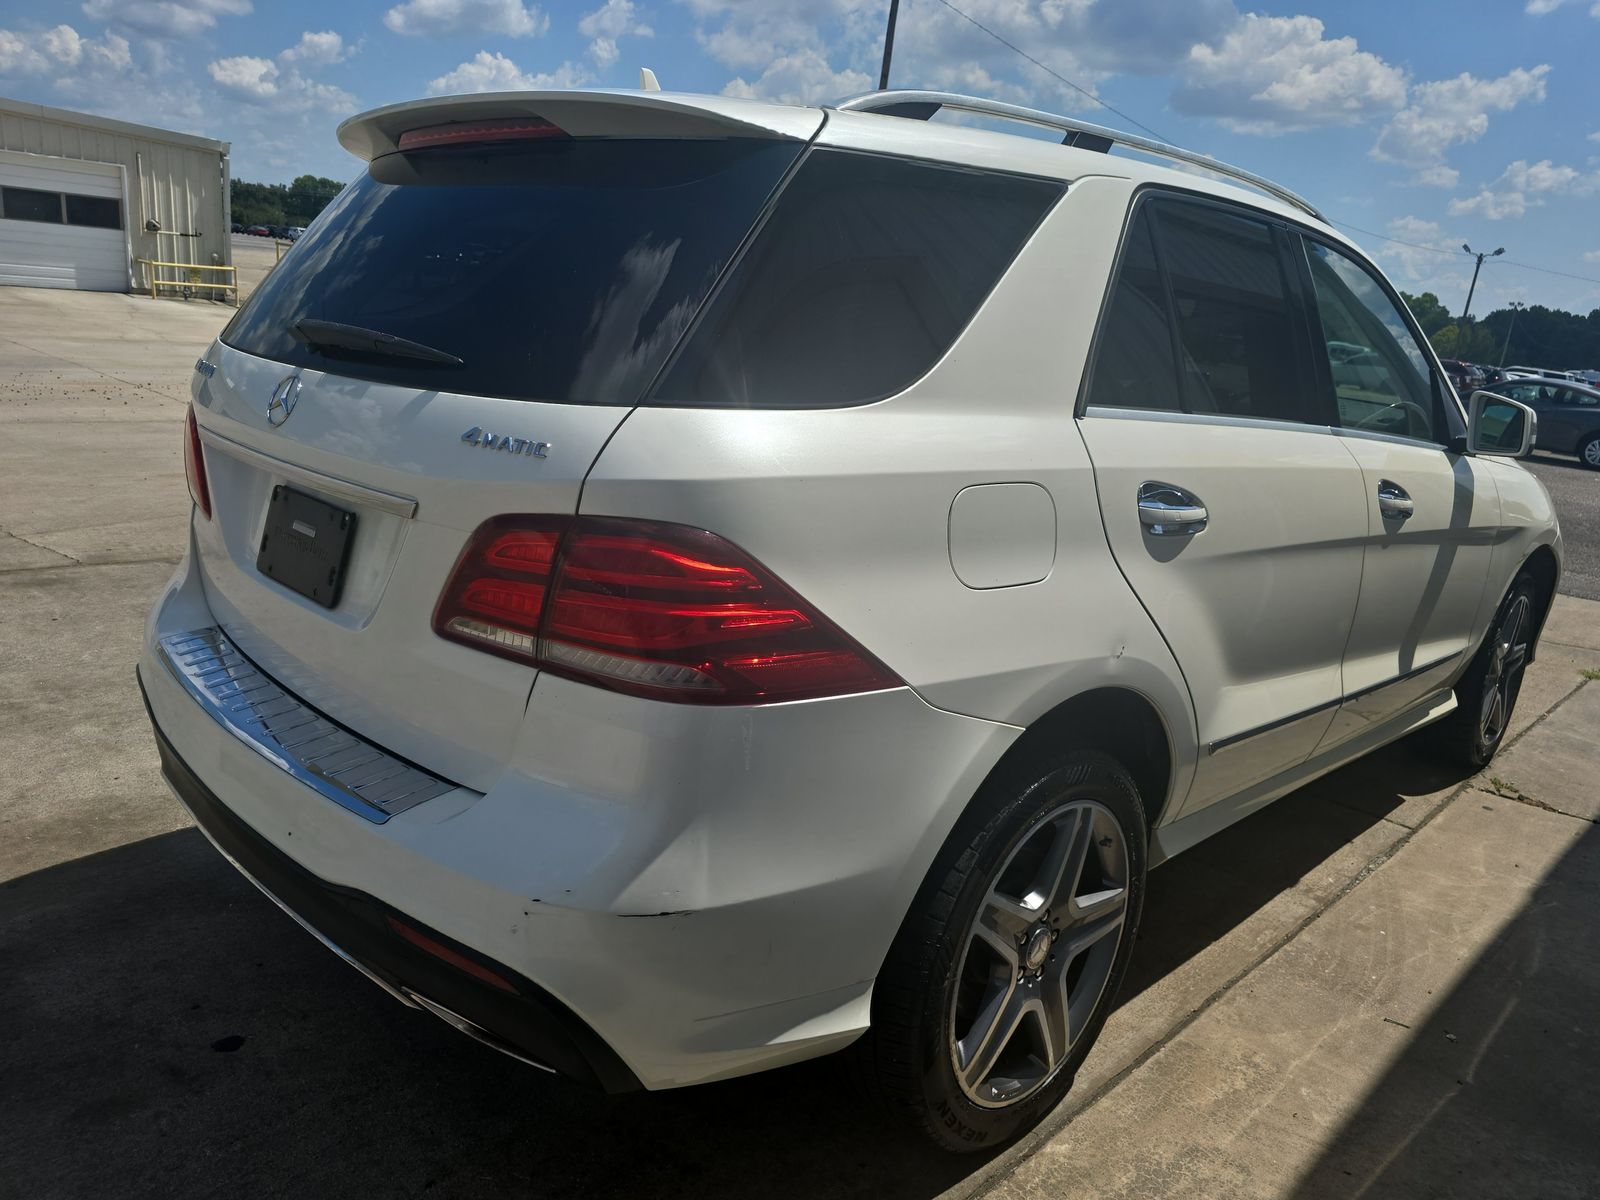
(888, 45)
(1476, 268)
(1516, 307)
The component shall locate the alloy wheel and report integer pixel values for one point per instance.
(1591, 452)
(1506, 662)
(1038, 954)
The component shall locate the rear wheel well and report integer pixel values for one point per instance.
(1113, 721)
(1541, 564)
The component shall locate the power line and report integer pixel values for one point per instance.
(1052, 72)
(1135, 121)
(1452, 254)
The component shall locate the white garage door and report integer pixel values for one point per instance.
(61, 223)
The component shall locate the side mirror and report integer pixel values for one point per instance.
(1500, 425)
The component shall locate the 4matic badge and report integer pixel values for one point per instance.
(485, 440)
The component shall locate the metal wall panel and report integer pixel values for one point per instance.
(175, 179)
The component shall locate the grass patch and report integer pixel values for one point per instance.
(1589, 673)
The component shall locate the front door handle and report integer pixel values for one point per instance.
(1393, 501)
(1166, 510)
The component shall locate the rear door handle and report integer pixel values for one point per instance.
(1393, 501)
(1166, 510)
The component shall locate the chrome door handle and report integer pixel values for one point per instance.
(1393, 501)
(1166, 510)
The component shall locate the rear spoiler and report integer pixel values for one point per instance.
(614, 114)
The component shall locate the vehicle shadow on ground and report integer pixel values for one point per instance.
(1496, 1093)
(170, 1033)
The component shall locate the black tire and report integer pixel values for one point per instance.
(1589, 452)
(912, 1047)
(1466, 738)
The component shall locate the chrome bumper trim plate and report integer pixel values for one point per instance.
(294, 737)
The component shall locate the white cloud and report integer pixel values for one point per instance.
(165, 18)
(803, 77)
(1276, 74)
(246, 76)
(259, 81)
(318, 49)
(1591, 256)
(1449, 112)
(1437, 175)
(486, 72)
(435, 18)
(1522, 186)
(1539, 8)
(63, 47)
(612, 20)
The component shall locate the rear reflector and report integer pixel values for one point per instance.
(497, 129)
(194, 466)
(648, 608)
(444, 954)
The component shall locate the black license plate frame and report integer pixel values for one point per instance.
(305, 545)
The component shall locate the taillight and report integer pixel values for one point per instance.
(652, 609)
(194, 466)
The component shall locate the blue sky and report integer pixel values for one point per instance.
(1429, 123)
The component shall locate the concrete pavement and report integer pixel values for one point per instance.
(1307, 990)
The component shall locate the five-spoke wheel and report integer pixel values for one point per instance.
(1039, 953)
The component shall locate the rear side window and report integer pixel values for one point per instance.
(563, 270)
(1381, 379)
(1135, 367)
(1235, 322)
(864, 275)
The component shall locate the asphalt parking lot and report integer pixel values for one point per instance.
(1576, 492)
(1383, 985)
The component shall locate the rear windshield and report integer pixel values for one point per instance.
(864, 275)
(562, 271)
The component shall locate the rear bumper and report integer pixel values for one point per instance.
(710, 891)
(518, 1018)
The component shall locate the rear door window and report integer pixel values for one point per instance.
(1235, 320)
(562, 271)
(864, 275)
(1135, 367)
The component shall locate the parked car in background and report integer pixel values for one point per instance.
(1464, 377)
(1539, 373)
(1569, 416)
(259, 231)
(293, 233)
(1491, 375)
(237, 228)
(886, 551)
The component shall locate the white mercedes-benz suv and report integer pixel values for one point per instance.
(680, 585)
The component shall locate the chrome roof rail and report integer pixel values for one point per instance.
(920, 106)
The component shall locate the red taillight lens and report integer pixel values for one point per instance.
(495, 129)
(653, 609)
(194, 466)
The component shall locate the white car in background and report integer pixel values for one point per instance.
(681, 585)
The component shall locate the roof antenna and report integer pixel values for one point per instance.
(648, 81)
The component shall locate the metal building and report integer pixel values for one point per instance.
(83, 199)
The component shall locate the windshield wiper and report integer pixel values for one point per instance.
(331, 335)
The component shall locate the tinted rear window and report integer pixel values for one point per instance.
(560, 271)
(865, 273)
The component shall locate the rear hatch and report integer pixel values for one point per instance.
(455, 338)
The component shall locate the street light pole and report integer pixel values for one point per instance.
(888, 45)
(1516, 307)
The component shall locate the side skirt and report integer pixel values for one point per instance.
(1172, 840)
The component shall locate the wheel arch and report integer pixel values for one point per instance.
(1114, 720)
(1543, 565)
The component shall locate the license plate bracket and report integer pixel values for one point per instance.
(306, 544)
